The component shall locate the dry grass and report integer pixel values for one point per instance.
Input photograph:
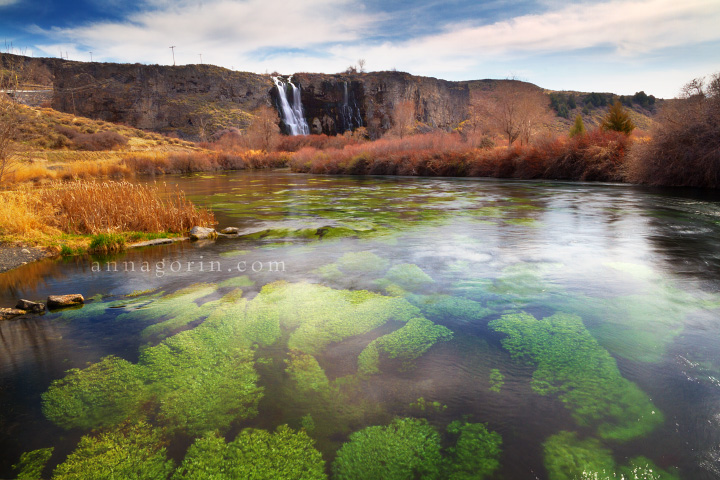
(24, 216)
(88, 207)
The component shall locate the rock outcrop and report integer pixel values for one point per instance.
(27, 305)
(61, 301)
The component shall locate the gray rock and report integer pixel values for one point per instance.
(6, 313)
(200, 233)
(35, 307)
(230, 230)
(62, 301)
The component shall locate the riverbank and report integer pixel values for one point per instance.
(17, 255)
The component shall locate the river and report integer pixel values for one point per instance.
(572, 319)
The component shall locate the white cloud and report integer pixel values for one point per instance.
(5, 3)
(236, 33)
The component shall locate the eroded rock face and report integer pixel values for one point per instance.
(62, 301)
(337, 103)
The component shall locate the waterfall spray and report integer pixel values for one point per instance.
(291, 110)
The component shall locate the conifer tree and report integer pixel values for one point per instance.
(617, 119)
(578, 128)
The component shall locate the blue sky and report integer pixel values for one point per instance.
(620, 46)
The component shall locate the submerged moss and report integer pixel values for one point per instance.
(239, 281)
(569, 458)
(133, 452)
(408, 448)
(570, 363)
(449, 309)
(105, 393)
(497, 380)
(253, 454)
(475, 454)
(306, 372)
(408, 276)
(32, 464)
(406, 344)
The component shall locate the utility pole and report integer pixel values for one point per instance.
(200, 58)
(173, 50)
(90, 57)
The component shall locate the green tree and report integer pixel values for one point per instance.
(618, 119)
(578, 128)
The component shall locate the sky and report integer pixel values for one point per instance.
(619, 46)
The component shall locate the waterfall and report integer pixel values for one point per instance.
(291, 111)
(349, 114)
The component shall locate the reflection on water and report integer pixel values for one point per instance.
(579, 322)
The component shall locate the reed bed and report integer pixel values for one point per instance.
(89, 207)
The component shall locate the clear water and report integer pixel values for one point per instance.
(637, 270)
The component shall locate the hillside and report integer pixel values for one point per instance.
(196, 102)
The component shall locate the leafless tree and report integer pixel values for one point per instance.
(361, 65)
(10, 113)
(518, 109)
(403, 119)
(263, 132)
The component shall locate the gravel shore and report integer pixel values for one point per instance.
(13, 256)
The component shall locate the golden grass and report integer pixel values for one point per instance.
(23, 216)
(89, 207)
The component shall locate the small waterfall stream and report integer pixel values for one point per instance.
(349, 113)
(291, 110)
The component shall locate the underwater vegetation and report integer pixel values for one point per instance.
(32, 464)
(569, 458)
(253, 454)
(497, 380)
(407, 276)
(410, 448)
(449, 309)
(132, 452)
(406, 344)
(571, 364)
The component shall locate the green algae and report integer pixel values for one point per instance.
(406, 344)
(362, 263)
(133, 452)
(408, 276)
(525, 222)
(497, 380)
(253, 454)
(570, 363)
(425, 406)
(569, 458)
(306, 372)
(239, 281)
(406, 449)
(32, 464)
(475, 454)
(105, 393)
(450, 309)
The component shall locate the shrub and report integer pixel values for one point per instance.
(100, 141)
(618, 119)
(685, 145)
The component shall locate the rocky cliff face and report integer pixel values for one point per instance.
(196, 101)
(193, 101)
(337, 103)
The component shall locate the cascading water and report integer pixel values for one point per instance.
(291, 111)
(349, 112)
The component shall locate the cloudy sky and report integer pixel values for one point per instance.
(619, 46)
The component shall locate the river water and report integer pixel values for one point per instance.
(575, 320)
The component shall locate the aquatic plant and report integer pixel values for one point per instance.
(408, 448)
(239, 281)
(32, 464)
(497, 380)
(451, 309)
(423, 405)
(475, 454)
(104, 393)
(570, 363)
(408, 276)
(198, 380)
(569, 458)
(362, 263)
(306, 372)
(132, 452)
(406, 344)
(253, 454)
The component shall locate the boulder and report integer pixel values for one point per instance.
(27, 305)
(230, 231)
(200, 233)
(62, 301)
(6, 313)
